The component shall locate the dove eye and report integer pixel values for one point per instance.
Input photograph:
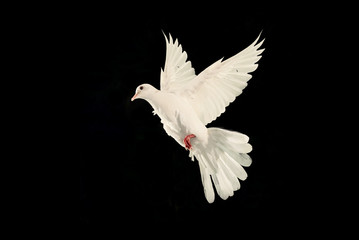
(141, 88)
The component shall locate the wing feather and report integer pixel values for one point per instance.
(177, 71)
(218, 85)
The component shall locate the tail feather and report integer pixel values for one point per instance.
(229, 175)
(206, 182)
(235, 167)
(222, 160)
(222, 184)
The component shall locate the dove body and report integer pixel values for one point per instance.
(177, 116)
(188, 102)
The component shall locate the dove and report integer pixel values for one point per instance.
(187, 102)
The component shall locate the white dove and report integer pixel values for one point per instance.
(186, 103)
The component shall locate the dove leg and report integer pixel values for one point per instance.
(187, 141)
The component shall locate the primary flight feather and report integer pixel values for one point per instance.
(186, 103)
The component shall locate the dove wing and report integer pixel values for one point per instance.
(177, 71)
(217, 86)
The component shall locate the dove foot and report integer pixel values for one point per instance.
(187, 141)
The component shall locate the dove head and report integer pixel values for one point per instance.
(144, 91)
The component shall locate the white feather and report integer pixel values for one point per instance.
(177, 71)
(230, 78)
(206, 182)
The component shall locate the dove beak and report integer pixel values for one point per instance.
(134, 97)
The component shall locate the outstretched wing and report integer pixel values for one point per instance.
(177, 71)
(219, 84)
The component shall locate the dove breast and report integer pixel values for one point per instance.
(178, 116)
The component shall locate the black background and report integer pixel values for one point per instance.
(133, 174)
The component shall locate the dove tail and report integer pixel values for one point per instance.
(222, 160)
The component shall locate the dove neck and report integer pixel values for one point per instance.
(160, 99)
(154, 98)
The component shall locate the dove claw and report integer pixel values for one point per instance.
(187, 141)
